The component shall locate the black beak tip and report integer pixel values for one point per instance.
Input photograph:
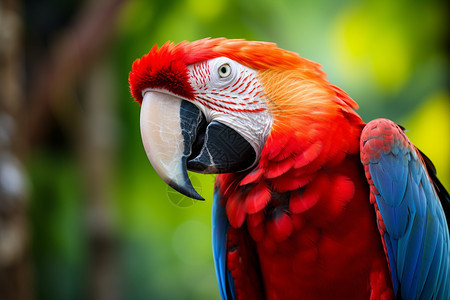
(187, 189)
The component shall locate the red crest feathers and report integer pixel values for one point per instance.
(161, 68)
(166, 67)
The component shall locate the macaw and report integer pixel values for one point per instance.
(310, 202)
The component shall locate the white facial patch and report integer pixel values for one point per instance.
(230, 93)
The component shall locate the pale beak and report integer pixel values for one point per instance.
(168, 129)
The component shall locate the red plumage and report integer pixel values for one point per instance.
(306, 226)
(314, 243)
(160, 68)
(300, 224)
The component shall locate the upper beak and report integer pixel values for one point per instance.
(164, 139)
(176, 137)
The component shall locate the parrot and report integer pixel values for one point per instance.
(309, 202)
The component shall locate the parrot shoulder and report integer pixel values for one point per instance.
(408, 200)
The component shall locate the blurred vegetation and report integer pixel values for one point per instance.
(102, 224)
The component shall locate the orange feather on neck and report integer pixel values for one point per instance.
(309, 114)
(315, 126)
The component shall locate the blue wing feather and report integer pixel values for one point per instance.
(416, 232)
(392, 254)
(220, 227)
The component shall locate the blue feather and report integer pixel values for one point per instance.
(417, 238)
(392, 254)
(427, 255)
(390, 175)
(421, 263)
(412, 257)
(220, 227)
(432, 279)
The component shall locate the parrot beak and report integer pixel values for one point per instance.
(166, 121)
(176, 138)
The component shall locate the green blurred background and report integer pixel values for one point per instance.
(85, 216)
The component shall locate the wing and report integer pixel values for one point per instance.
(220, 227)
(407, 198)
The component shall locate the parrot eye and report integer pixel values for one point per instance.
(224, 70)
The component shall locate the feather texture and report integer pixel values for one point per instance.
(411, 219)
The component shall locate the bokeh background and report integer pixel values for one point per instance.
(82, 213)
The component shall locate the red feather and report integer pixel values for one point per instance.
(301, 201)
(254, 176)
(280, 228)
(309, 155)
(257, 198)
(235, 208)
(256, 226)
(279, 168)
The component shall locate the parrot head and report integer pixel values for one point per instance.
(215, 105)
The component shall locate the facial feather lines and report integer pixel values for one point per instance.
(244, 95)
